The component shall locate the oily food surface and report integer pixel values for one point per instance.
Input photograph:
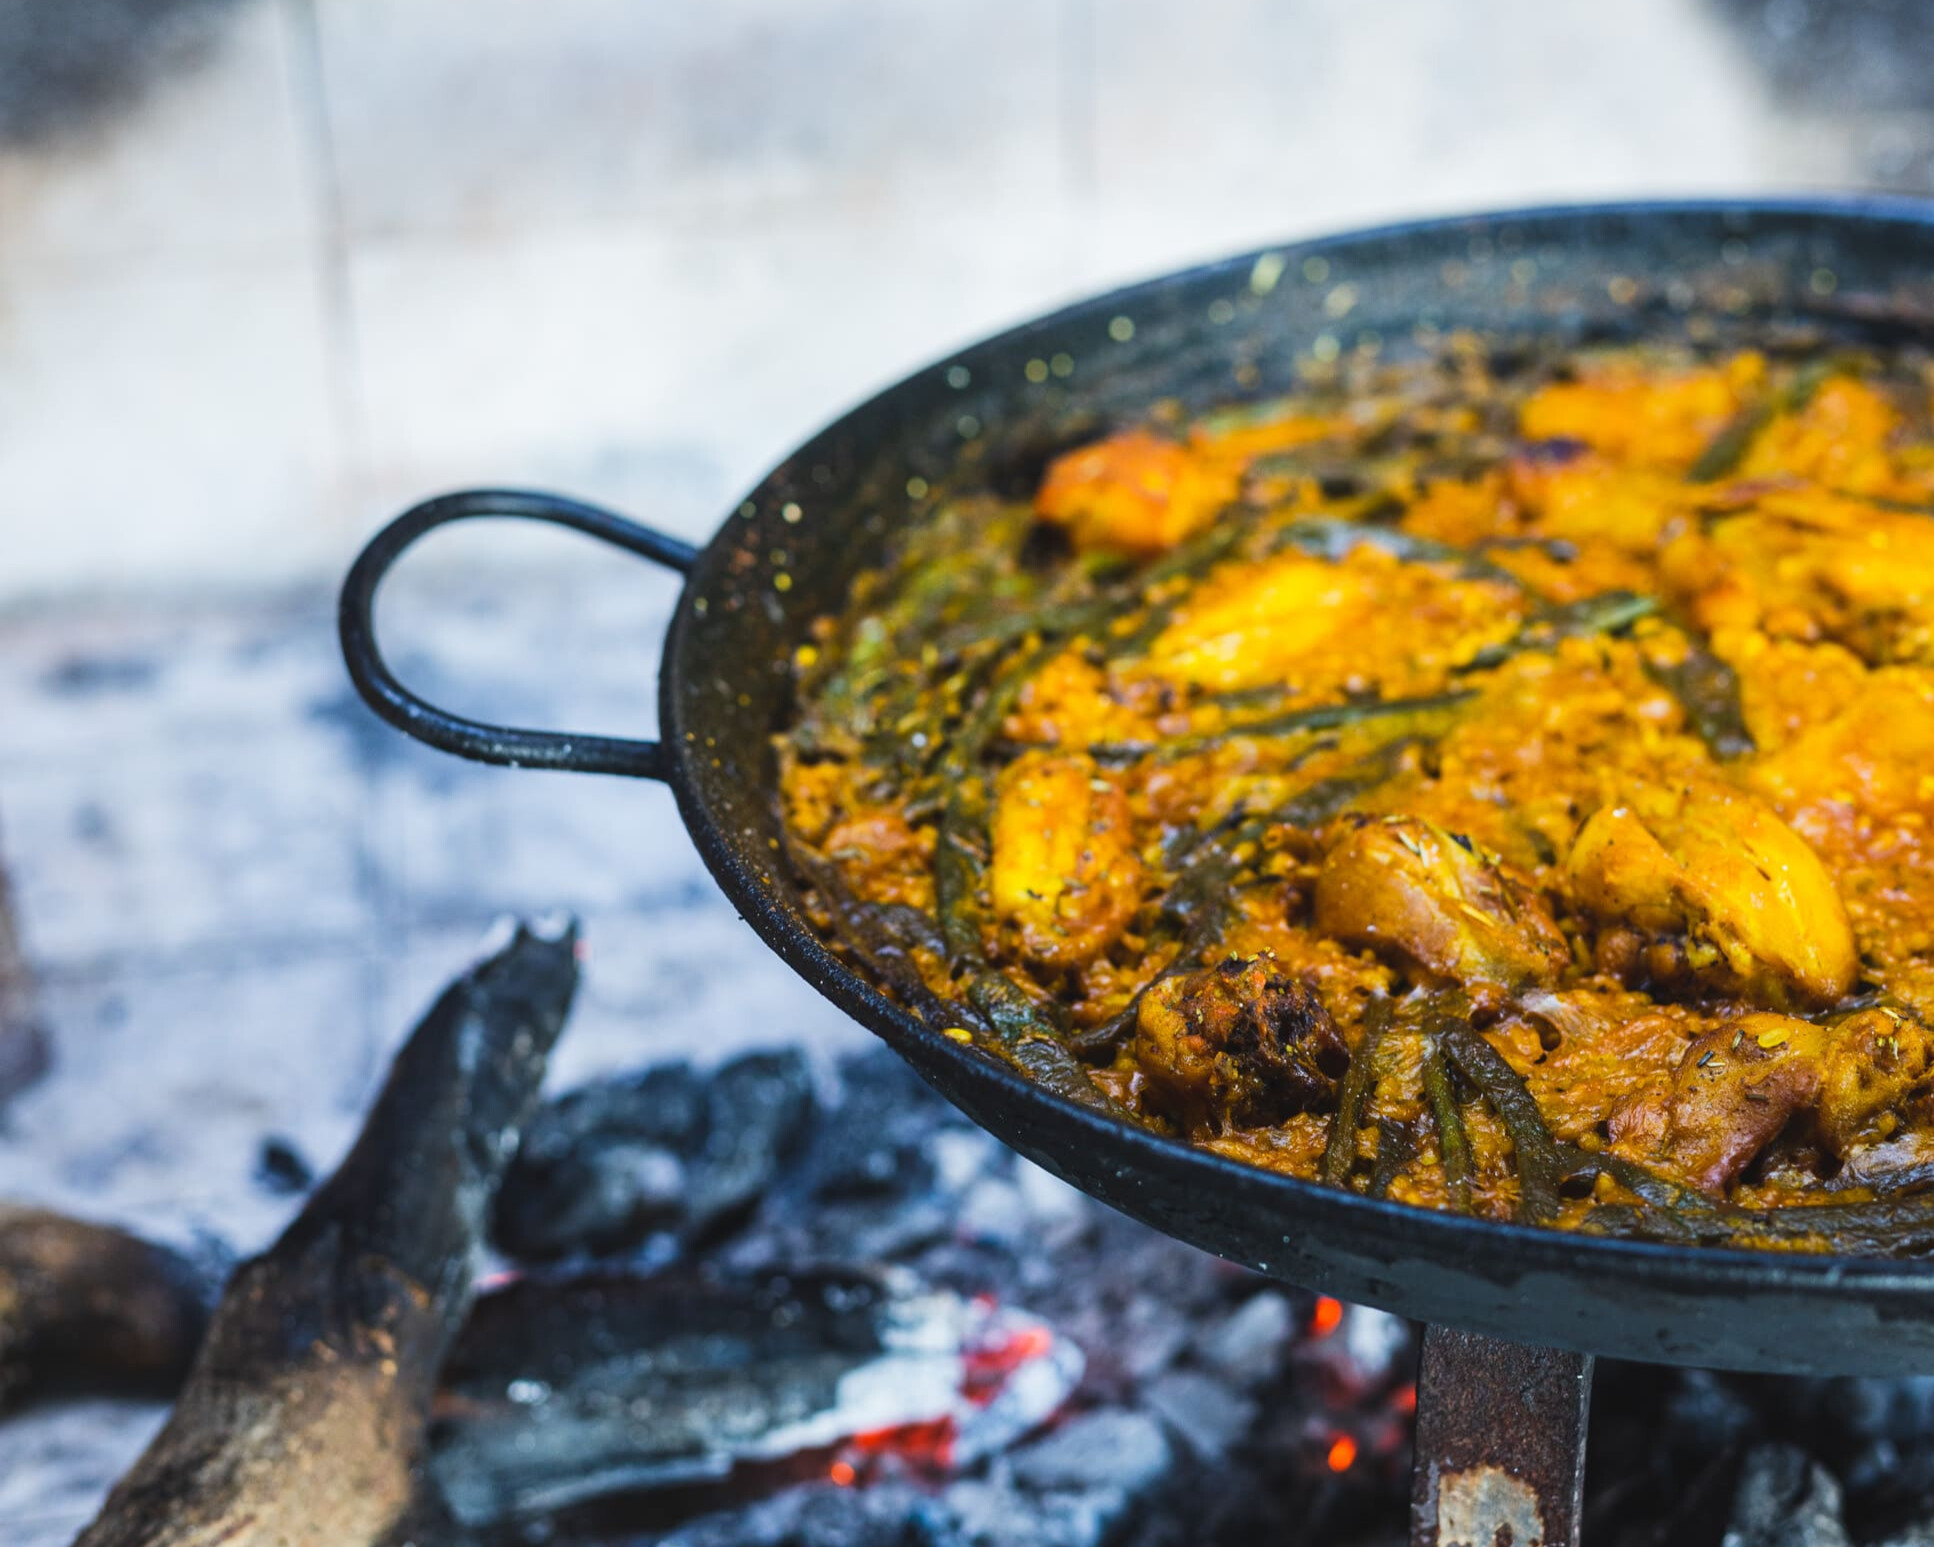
(1496, 782)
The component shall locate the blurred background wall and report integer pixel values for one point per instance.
(269, 268)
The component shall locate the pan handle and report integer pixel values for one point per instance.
(480, 742)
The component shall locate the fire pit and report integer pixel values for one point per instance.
(748, 1305)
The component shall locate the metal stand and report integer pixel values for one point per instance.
(1500, 1443)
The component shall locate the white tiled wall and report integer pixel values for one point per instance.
(376, 247)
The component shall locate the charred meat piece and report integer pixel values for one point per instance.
(1236, 1046)
(1437, 907)
(303, 1416)
(84, 1305)
(1714, 891)
(1744, 1084)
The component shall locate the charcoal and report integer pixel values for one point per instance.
(757, 1109)
(881, 1144)
(881, 1174)
(670, 1150)
(822, 1516)
(988, 1515)
(1204, 1415)
(1248, 1345)
(1786, 1499)
(1375, 1340)
(1109, 1449)
(560, 1394)
(280, 1168)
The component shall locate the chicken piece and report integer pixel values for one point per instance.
(1786, 685)
(1070, 703)
(1315, 627)
(1839, 439)
(1874, 756)
(1439, 907)
(1587, 499)
(1134, 493)
(1584, 1050)
(1806, 563)
(1065, 877)
(1651, 417)
(1879, 1060)
(1240, 1045)
(1464, 512)
(883, 856)
(1716, 892)
(1735, 1091)
(1741, 1085)
(1255, 624)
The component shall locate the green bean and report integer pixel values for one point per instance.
(1339, 1159)
(1293, 722)
(1708, 691)
(883, 939)
(1728, 448)
(1608, 612)
(1333, 539)
(1047, 1061)
(1396, 1149)
(1534, 1152)
(1453, 1143)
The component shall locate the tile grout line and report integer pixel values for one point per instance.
(1079, 147)
(311, 90)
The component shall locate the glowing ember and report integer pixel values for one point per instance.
(842, 1473)
(928, 1446)
(1013, 1375)
(1326, 1318)
(1342, 1454)
(988, 1367)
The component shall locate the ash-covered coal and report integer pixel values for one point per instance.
(1697, 1456)
(608, 1166)
(561, 1394)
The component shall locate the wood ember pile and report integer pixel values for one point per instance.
(756, 1307)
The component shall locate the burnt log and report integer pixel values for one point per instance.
(84, 1306)
(302, 1420)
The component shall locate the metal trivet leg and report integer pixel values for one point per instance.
(1500, 1443)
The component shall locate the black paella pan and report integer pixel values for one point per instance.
(1227, 330)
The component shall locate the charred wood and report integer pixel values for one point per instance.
(83, 1305)
(302, 1419)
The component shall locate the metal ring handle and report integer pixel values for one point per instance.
(474, 739)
